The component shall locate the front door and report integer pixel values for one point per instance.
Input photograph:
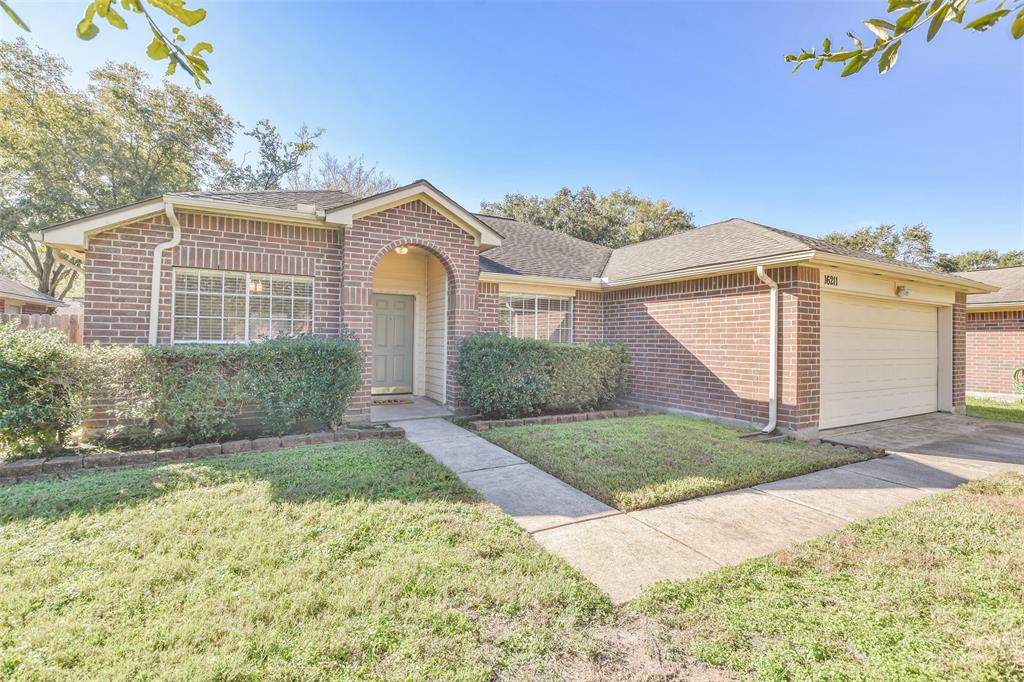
(392, 343)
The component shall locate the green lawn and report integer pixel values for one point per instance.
(640, 462)
(363, 560)
(993, 409)
(932, 591)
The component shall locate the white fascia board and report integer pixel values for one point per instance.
(905, 272)
(485, 236)
(994, 307)
(502, 278)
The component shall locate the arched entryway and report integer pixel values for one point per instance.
(410, 326)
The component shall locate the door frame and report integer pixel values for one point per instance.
(417, 388)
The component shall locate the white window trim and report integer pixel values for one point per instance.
(504, 297)
(248, 280)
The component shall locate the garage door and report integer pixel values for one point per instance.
(879, 360)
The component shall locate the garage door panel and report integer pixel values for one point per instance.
(877, 344)
(876, 407)
(866, 375)
(879, 360)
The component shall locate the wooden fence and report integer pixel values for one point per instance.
(70, 325)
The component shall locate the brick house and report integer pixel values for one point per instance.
(410, 273)
(18, 299)
(995, 333)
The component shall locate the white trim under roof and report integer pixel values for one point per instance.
(904, 272)
(430, 195)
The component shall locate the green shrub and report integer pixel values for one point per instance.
(195, 393)
(44, 390)
(504, 377)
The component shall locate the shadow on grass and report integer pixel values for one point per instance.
(370, 470)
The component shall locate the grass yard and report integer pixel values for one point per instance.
(934, 590)
(638, 462)
(362, 560)
(993, 409)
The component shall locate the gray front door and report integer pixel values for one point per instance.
(392, 343)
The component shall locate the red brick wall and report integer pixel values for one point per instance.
(960, 353)
(27, 308)
(487, 305)
(995, 347)
(119, 263)
(588, 316)
(368, 240)
(702, 345)
(799, 346)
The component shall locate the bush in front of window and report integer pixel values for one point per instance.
(196, 393)
(44, 390)
(504, 377)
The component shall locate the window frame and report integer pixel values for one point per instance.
(14, 308)
(248, 294)
(503, 298)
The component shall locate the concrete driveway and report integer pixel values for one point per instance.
(979, 442)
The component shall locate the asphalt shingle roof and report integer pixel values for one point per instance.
(283, 199)
(18, 291)
(533, 250)
(1009, 280)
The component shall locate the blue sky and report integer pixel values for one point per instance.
(688, 101)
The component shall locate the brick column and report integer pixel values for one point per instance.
(799, 347)
(588, 316)
(960, 353)
(487, 304)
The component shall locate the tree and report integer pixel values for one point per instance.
(66, 153)
(351, 175)
(163, 46)
(277, 159)
(614, 220)
(979, 260)
(912, 244)
(908, 16)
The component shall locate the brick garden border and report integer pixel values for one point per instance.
(484, 424)
(44, 468)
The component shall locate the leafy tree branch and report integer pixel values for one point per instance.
(164, 46)
(908, 16)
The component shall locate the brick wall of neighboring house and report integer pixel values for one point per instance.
(368, 240)
(588, 316)
(960, 354)
(995, 348)
(26, 308)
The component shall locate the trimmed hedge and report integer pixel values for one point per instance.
(195, 393)
(44, 390)
(506, 378)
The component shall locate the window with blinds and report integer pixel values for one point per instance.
(214, 306)
(525, 316)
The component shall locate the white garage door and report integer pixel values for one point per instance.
(879, 360)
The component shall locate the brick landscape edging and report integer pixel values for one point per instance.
(484, 424)
(43, 468)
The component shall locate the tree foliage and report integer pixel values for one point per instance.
(350, 175)
(907, 16)
(162, 47)
(277, 159)
(66, 153)
(614, 220)
(913, 244)
(979, 260)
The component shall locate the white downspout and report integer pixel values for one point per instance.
(773, 351)
(158, 252)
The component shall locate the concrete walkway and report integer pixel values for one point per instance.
(624, 552)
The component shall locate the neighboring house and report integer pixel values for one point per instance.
(995, 333)
(18, 299)
(410, 273)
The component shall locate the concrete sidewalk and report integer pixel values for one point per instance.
(624, 552)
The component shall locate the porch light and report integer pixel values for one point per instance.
(402, 250)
